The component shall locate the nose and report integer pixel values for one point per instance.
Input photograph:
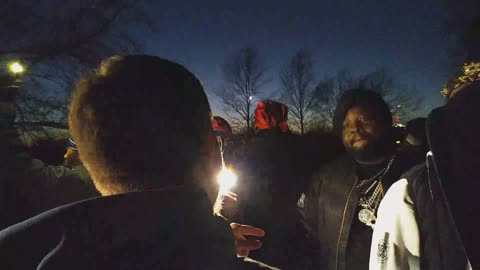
(355, 127)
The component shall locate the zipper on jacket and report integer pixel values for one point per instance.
(343, 221)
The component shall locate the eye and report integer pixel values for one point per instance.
(364, 119)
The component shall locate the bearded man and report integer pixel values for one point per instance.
(338, 209)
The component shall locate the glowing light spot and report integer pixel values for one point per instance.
(227, 180)
(16, 68)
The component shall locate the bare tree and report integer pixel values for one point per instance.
(403, 100)
(58, 40)
(244, 75)
(328, 91)
(298, 88)
(326, 96)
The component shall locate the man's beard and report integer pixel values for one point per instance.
(373, 151)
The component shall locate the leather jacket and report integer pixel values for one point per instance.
(327, 209)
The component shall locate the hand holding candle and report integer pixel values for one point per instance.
(226, 204)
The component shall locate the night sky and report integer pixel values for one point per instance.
(406, 37)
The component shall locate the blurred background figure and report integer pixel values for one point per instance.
(223, 131)
(399, 134)
(30, 185)
(269, 183)
(71, 156)
(221, 127)
(271, 117)
(38, 186)
(417, 135)
(72, 161)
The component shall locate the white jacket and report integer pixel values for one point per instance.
(396, 238)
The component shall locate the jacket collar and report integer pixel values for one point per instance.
(437, 140)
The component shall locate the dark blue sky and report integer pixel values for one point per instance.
(404, 36)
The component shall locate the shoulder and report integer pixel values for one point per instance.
(397, 196)
(139, 215)
(338, 165)
(405, 190)
(415, 172)
(64, 215)
(24, 245)
(35, 223)
(409, 159)
(328, 171)
(38, 227)
(341, 167)
(341, 161)
(417, 178)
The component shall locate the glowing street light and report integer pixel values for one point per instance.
(16, 68)
(250, 97)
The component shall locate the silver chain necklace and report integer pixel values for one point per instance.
(370, 204)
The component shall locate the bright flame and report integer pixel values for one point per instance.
(16, 68)
(227, 179)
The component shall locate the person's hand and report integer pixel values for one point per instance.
(243, 245)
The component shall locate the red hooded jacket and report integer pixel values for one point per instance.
(271, 114)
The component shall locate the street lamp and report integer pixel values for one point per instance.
(16, 68)
(9, 86)
(11, 83)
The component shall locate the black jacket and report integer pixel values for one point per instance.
(34, 187)
(274, 168)
(168, 229)
(268, 186)
(328, 207)
(433, 189)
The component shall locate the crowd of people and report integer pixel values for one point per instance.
(139, 187)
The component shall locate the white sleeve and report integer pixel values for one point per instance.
(395, 240)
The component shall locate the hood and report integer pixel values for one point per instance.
(451, 131)
(270, 115)
(221, 127)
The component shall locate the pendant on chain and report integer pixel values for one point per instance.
(367, 217)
